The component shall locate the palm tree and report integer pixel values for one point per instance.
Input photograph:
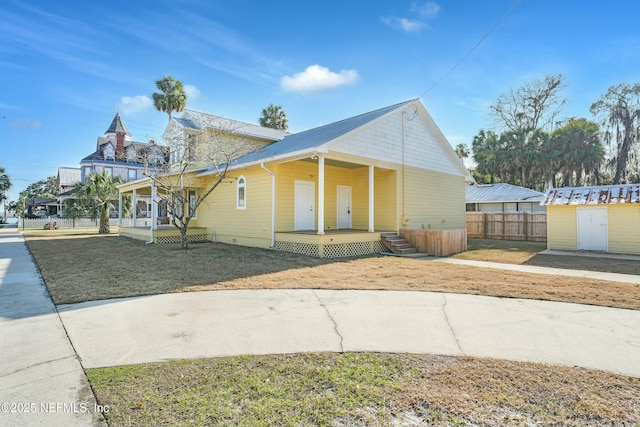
(274, 117)
(5, 185)
(172, 97)
(486, 153)
(581, 149)
(99, 190)
(74, 209)
(462, 151)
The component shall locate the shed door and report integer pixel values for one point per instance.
(592, 228)
(305, 205)
(344, 206)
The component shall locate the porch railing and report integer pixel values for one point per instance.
(80, 222)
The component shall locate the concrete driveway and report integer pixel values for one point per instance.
(223, 323)
(41, 380)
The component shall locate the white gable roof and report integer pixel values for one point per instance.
(353, 136)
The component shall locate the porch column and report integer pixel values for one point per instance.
(320, 195)
(371, 198)
(154, 207)
(134, 202)
(119, 208)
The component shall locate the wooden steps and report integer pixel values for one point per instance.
(397, 244)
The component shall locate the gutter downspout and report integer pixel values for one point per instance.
(273, 204)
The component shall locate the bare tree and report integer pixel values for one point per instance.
(210, 149)
(619, 113)
(532, 106)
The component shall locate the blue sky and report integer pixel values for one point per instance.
(66, 67)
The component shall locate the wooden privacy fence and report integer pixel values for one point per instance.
(507, 226)
(437, 242)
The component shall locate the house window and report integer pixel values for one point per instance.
(86, 170)
(176, 153)
(109, 171)
(132, 174)
(155, 158)
(242, 193)
(109, 152)
(191, 149)
(131, 154)
(193, 198)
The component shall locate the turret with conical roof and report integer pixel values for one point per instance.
(118, 130)
(117, 126)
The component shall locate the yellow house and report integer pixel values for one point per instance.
(329, 191)
(605, 219)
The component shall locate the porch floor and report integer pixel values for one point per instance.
(332, 244)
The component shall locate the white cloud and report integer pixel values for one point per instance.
(408, 25)
(192, 92)
(134, 104)
(422, 12)
(317, 78)
(428, 10)
(26, 124)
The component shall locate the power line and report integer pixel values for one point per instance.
(483, 38)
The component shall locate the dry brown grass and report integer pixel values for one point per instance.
(332, 389)
(365, 390)
(90, 267)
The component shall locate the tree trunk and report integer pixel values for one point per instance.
(104, 224)
(183, 238)
(623, 154)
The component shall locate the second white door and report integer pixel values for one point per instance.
(344, 206)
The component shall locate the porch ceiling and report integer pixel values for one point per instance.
(338, 163)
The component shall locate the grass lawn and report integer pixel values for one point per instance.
(354, 389)
(349, 389)
(87, 267)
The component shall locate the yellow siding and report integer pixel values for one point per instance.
(386, 201)
(432, 200)
(562, 228)
(250, 226)
(624, 229)
(360, 199)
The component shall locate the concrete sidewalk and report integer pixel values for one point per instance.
(596, 275)
(41, 380)
(223, 323)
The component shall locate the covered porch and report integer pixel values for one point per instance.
(149, 221)
(331, 205)
(163, 233)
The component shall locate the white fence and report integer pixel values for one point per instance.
(81, 222)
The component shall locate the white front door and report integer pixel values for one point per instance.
(304, 217)
(592, 228)
(344, 206)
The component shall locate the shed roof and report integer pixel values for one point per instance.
(501, 192)
(602, 195)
